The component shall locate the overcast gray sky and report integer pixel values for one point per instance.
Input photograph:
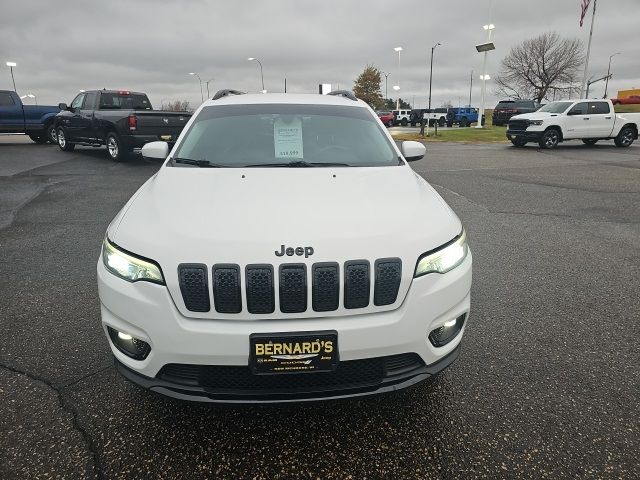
(151, 45)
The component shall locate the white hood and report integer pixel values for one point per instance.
(534, 116)
(243, 216)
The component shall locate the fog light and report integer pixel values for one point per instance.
(447, 332)
(129, 345)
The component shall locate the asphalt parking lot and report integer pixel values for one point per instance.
(547, 385)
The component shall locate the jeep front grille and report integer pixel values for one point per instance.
(259, 285)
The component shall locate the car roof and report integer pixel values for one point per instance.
(285, 98)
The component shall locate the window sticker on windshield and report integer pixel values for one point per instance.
(287, 138)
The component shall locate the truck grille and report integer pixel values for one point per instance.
(260, 289)
(518, 125)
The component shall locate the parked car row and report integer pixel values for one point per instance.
(120, 119)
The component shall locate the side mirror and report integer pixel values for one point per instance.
(413, 151)
(158, 150)
(62, 106)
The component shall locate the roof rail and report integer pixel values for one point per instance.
(225, 93)
(344, 93)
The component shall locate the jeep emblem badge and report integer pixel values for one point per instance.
(290, 251)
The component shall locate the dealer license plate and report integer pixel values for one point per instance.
(304, 352)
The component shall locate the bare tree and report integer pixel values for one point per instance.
(540, 66)
(177, 106)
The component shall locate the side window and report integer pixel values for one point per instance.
(89, 101)
(77, 102)
(6, 100)
(579, 109)
(599, 108)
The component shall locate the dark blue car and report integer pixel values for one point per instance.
(34, 120)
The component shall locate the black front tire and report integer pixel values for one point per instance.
(463, 122)
(51, 133)
(625, 138)
(550, 139)
(518, 142)
(116, 149)
(442, 122)
(390, 123)
(404, 122)
(63, 143)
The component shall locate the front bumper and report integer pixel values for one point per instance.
(529, 136)
(147, 312)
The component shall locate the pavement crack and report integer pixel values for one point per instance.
(67, 405)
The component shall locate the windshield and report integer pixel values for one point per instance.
(274, 135)
(555, 107)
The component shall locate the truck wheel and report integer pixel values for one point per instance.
(625, 137)
(550, 139)
(390, 123)
(63, 143)
(442, 122)
(38, 138)
(463, 122)
(518, 142)
(449, 123)
(50, 133)
(404, 122)
(589, 141)
(116, 150)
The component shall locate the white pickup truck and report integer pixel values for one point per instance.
(586, 120)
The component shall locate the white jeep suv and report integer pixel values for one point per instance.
(284, 251)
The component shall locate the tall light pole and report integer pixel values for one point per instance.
(207, 82)
(484, 77)
(251, 59)
(386, 86)
(397, 87)
(430, 82)
(11, 65)
(470, 87)
(606, 86)
(200, 80)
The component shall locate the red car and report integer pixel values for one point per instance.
(387, 118)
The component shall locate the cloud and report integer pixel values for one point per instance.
(151, 45)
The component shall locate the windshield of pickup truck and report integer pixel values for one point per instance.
(124, 101)
(555, 107)
(285, 135)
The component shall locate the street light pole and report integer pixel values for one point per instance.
(261, 74)
(200, 80)
(484, 77)
(386, 86)
(207, 82)
(11, 65)
(470, 87)
(606, 86)
(430, 83)
(397, 87)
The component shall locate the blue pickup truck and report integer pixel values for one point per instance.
(34, 120)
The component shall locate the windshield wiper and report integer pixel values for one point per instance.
(298, 164)
(197, 163)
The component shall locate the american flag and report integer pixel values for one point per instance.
(584, 5)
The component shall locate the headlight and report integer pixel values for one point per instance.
(536, 122)
(445, 258)
(128, 267)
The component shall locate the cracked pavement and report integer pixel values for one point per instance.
(547, 385)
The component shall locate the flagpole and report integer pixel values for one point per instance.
(586, 62)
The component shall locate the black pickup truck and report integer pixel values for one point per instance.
(121, 120)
